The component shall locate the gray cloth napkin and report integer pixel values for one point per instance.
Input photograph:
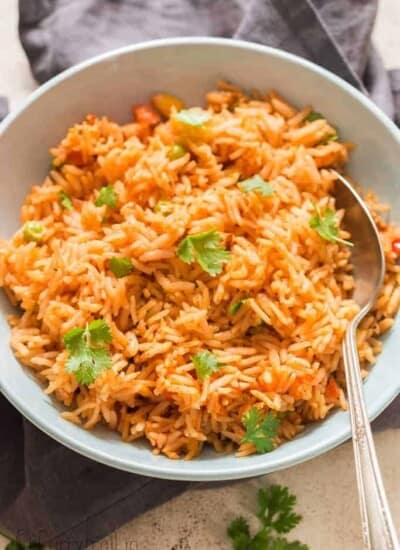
(48, 492)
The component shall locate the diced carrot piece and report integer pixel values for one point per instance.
(145, 114)
(165, 102)
(396, 246)
(75, 157)
(332, 391)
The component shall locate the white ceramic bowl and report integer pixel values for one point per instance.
(188, 67)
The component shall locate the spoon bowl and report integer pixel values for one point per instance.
(367, 255)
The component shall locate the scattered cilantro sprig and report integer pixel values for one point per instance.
(260, 430)
(205, 364)
(257, 184)
(277, 516)
(325, 225)
(275, 508)
(88, 351)
(206, 249)
(107, 196)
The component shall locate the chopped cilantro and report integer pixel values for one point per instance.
(325, 225)
(261, 431)
(88, 353)
(106, 196)
(206, 249)
(100, 332)
(121, 267)
(257, 184)
(65, 200)
(205, 364)
(234, 308)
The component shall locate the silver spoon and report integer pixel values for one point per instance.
(369, 269)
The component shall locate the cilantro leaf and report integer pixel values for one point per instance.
(205, 248)
(100, 332)
(325, 225)
(74, 338)
(280, 543)
(186, 250)
(106, 196)
(192, 117)
(120, 266)
(234, 308)
(275, 508)
(260, 430)
(275, 512)
(314, 115)
(87, 354)
(261, 541)
(212, 259)
(92, 362)
(65, 200)
(205, 364)
(257, 184)
(328, 138)
(238, 531)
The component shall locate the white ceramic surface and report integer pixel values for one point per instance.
(109, 84)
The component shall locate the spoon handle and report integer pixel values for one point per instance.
(377, 524)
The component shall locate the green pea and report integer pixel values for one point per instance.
(33, 231)
(176, 151)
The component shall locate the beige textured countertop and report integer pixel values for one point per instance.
(325, 487)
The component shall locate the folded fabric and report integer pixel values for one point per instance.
(49, 492)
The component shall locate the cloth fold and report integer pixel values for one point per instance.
(67, 499)
(48, 492)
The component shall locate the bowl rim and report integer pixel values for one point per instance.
(243, 469)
